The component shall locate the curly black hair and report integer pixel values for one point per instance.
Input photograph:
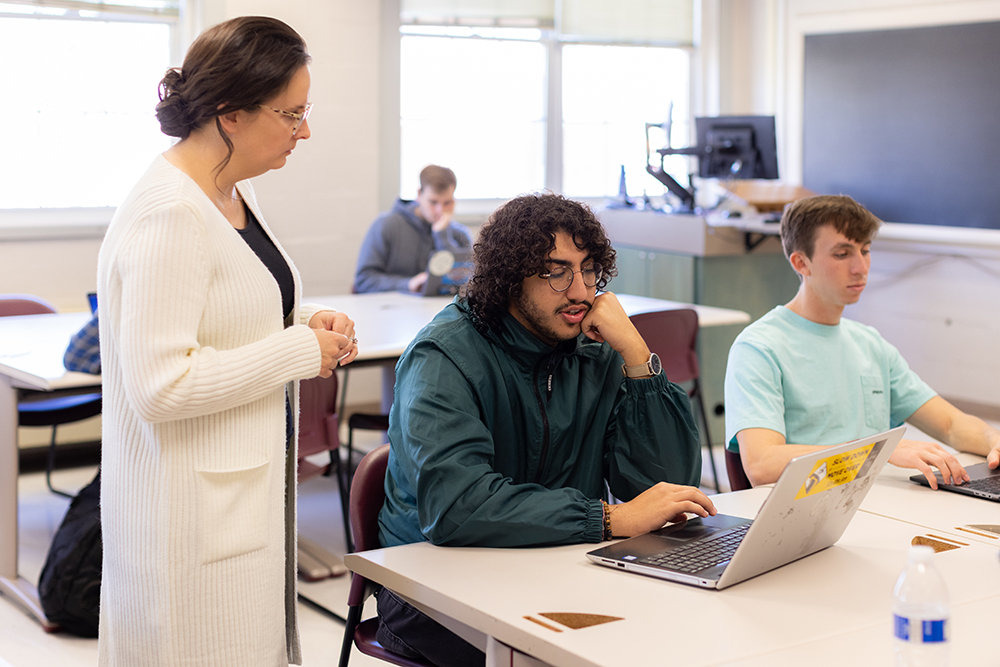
(514, 243)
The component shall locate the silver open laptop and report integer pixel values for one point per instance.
(807, 510)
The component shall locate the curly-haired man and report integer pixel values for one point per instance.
(517, 404)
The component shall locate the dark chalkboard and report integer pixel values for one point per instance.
(907, 122)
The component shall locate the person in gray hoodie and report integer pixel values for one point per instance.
(399, 243)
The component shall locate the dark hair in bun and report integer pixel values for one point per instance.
(233, 66)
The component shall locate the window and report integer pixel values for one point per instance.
(609, 94)
(514, 109)
(78, 124)
(477, 106)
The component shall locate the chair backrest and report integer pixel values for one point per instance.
(673, 336)
(24, 304)
(738, 480)
(367, 497)
(318, 423)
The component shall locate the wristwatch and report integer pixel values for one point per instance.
(647, 370)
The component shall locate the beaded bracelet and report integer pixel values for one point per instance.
(607, 521)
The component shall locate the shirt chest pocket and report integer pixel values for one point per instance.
(876, 402)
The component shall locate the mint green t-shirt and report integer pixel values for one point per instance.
(817, 384)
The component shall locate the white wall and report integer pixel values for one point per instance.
(938, 305)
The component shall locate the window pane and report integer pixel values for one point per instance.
(609, 94)
(78, 124)
(476, 106)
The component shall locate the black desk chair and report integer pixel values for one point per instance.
(42, 408)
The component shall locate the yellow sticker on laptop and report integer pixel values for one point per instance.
(834, 470)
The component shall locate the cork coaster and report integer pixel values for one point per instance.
(937, 545)
(578, 621)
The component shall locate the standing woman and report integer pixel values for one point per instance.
(203, 339)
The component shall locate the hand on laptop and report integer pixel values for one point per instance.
(656, 506)
(922, 455)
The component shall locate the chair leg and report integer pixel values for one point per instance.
(708, 435)
(350, 458)
(50, 464)
(345, 502)
(353, 618)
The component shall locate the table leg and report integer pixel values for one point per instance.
(499, 654)
(12, 585)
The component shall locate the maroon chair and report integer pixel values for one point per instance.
(367, 497)
(673, 336)
(319, 432)
(738, 480)
(44, 408)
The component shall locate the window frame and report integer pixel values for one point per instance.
(23, 224)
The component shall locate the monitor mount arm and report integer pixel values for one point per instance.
(686, 195)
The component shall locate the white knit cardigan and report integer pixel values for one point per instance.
(198, 490)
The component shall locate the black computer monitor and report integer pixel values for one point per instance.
(737, 147)
(727, 147)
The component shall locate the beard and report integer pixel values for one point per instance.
(548, 327)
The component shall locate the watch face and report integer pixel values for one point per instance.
(654, 364)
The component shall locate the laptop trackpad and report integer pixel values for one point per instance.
(697, 527)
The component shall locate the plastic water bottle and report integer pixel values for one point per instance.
(921, 613)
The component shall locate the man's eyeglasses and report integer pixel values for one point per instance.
(562, 278)
(299, 118)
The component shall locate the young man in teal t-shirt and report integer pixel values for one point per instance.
(802, 376)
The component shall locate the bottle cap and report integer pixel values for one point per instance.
(921, 552)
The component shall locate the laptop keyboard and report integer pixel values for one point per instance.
(700, 555)
(988, 484)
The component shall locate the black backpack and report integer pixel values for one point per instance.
(69, 587)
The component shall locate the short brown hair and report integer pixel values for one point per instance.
(514, 243)
(437, 178)
(804, 217)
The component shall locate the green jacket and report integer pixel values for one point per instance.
(499, 440)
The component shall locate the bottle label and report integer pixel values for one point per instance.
(920, 632)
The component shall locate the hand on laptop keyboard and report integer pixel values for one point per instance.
(658, 505)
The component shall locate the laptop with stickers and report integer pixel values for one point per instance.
(808, 509)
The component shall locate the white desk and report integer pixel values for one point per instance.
(811, 611)
(939, 512)
(31, 351)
